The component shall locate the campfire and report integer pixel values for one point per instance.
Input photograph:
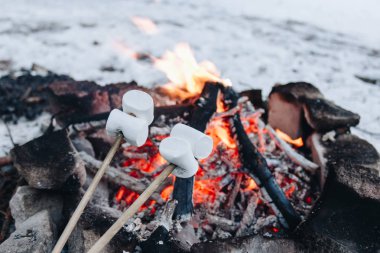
(264, 182)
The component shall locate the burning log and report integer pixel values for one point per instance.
(204, 108)
(255, 165)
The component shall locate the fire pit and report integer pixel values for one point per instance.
(283, 173)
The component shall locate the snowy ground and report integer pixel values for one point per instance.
(254, 43)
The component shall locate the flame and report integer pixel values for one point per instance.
(145, 25)
(297, 142)
(251, 185)
(219, 131)
(166, 193)
(187, 77)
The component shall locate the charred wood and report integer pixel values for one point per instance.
(254, 164)
(204, 108)
(234, 192)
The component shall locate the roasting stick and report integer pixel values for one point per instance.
(180, 149)
(132, 210)
(87, 196)
(132, 124)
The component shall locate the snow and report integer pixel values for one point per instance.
(253, 43)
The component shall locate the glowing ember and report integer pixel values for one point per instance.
(166, 193)
(205, 190)
(297, 142)
(120, 193)
(251, 185)
(145, 25)
(290, 191)
(187, 77)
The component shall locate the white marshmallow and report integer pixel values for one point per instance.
(178, 152)
(134, 130)
(140, 104)
(201, 144)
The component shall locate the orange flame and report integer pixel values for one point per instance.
(165, 194)
(219, 131)
(251, 185)
(297, 142)
(145, 25)
(187, 76)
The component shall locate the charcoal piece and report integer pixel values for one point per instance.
(356, 164)
(298, 108)
(50, 162)
(203, 110)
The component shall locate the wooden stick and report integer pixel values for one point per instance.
(87, 196)
(111, 232)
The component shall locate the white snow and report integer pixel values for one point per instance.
(254, 43)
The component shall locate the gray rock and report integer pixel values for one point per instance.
(81, 240)
(28, 201)
(356, 164)
(50, 162)
(36, 235)
(94, 222)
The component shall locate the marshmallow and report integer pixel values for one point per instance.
(134, 130)
(178, 152)
(140, 104)
(201, 144)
